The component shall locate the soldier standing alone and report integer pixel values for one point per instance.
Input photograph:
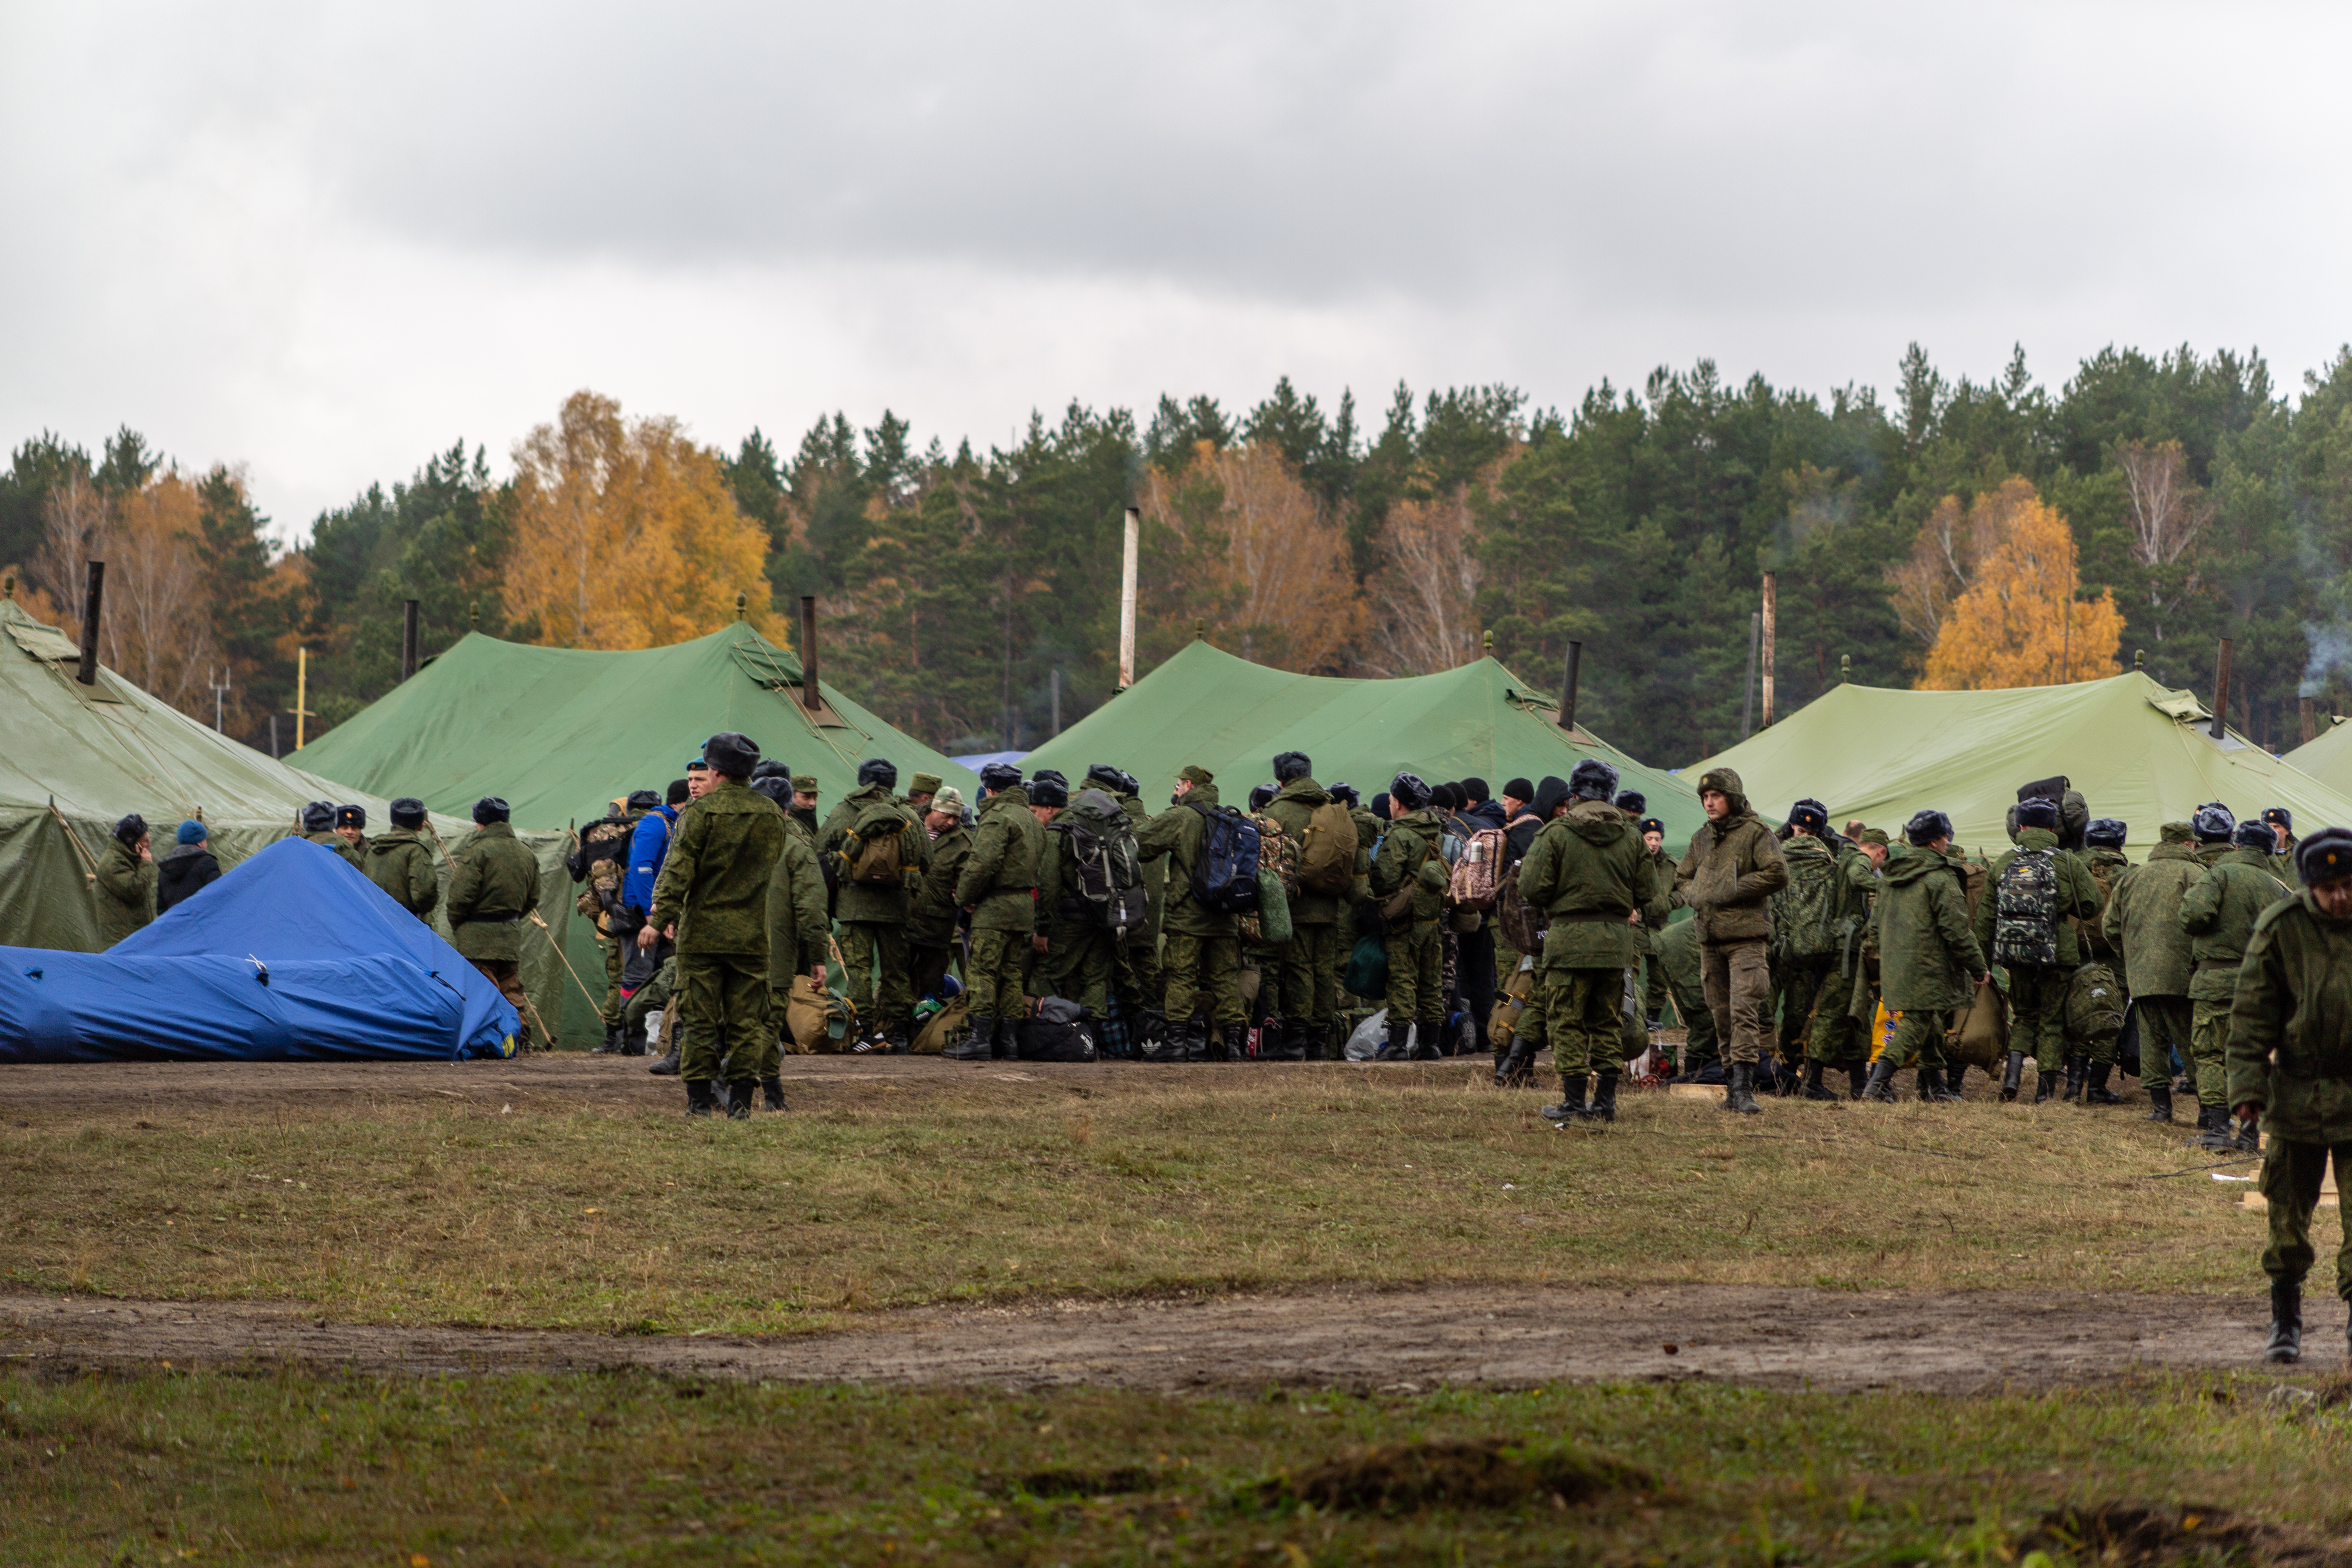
(1733, 866)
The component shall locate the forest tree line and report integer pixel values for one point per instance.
(1955, 533)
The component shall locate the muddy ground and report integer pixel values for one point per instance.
(1410, 1341)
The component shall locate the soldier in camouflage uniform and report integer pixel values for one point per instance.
(1930, 960)
(874, 915)
(1409, 877)
(1591, 874)
(931, 924)
(998, 887)
(2287, 1066)
(2037, 989)
(599, 861)
(2280, 822)
(493, 886)
(2219, 913)
(921, 790)
(798, 930)
(2092, 1060)
(400, 861)
(1081, 959)
(125, 882)
(1201, 946)
(1812, 917)
(318, 827)
(1318, 920)
(1138, 979)
(2142, 925)
(711, 900)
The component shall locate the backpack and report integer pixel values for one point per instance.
(2095, 1004)
(2025, 910)
(1326, 860)
(1108, 894)
(1477, 877)
(869, 848)
(1806, 913)
(1224, 873)
(1060, 1032)
(1278, 850)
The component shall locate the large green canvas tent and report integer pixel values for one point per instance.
(2328, 757)
(79, 758)
(561, 732)
(2137, 750)
(1231, 717)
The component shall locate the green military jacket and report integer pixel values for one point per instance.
(356, 854)
(932, 921)
(126, 891)
(1679, 956)
(401, 863)
(2106, 868)
(1176, 834)
(2143, 922)
(2291, 1026)
(1929, 958)
(2078, 895)
(1590, 871)
(493, 884)
(1819, 910)
(1368, 833)
(1155, 874)
(2218, 914)
(715, 878)
(998, 883)
(1408, 851)
(1732, 868)
(1291, 806)
(876, 903)
(2282, 863)
(798, 930)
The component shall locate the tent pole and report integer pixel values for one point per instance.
(93, 601)
(1770, 621)
(2221, 690)
(1128, 551)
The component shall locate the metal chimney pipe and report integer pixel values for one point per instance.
(2306, 721)
(1567, 685)
(93, 601)
(811, 699)
(2221, 691)
(407, 638)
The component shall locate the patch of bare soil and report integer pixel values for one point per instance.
(2127, 1536)
(1404, 1341)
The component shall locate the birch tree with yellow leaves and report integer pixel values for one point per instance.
(2018, 621)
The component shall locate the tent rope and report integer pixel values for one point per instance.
(541, 922)
(74, 839)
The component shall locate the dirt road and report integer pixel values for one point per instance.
(1413, 1339)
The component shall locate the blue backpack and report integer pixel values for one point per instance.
(1224, 874)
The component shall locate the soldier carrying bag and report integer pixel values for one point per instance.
(1109, 893)
(1326, 860)
(2025, 912)
(1224, 873)
(1477, 877)
(869, 849)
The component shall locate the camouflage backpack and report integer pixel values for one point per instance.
(870, 851)
(2025, 910)
(1808, 914)
(1278, 865)
(2095, 1004)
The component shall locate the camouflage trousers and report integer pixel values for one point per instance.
(1203, 963)
(1584, 1018)
(723, 998)
(1078, 965)
(615, 956)
(1416, 965)
(2037, 1014)
(653, 993)
(1311, 975)
(2164, 1029)
(927, 968)
(996, 976)
(1739, 990)
(1918, 1040)
(1801, 983)
(2290, 1181)
(865, 946)
(1141, 982)
(1838, 1037)
(2209, 1041)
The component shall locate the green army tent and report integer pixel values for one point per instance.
(1231, 717)
(79, 759)
(2136, 750)
(2328, 756)
(561, 732)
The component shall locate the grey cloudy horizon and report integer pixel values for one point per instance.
(324, 243)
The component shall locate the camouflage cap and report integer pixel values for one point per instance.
(1197, 773)
(950, 799)
(803, 784)
(1877, 835)
(2173, 833)
(923, 784)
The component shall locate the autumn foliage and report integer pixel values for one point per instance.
(2015, 620)
(626, 535)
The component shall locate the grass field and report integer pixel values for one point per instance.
(169, 1468)
(1115, 1182)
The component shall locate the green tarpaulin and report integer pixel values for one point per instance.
(1231, 717)
(2136, 750)
(558, 733)
(2328, 757)
(77, 759)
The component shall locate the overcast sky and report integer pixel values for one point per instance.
(324, 241)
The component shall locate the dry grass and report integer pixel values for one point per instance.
(1122, 1182)
(165, 1467)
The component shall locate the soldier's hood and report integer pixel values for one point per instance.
(1305, 791)
(1799, 844)
(2036, 838)
(1729, 782)
(1201, 794)
(2244, 857)
(1598, 823)
(2173, 849)
(1011, 795)
(1909, 863)
(395, 836)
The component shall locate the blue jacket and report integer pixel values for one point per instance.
(647, 847)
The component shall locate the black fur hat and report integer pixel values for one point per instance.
(1809, 814)
(732, 754)
(409, 812)
(319, 816)
(2325, 856)
(489, 809)
(1409, 792)
(1344, 793)
(999, 775)
(130, 828)
(1291, 765)
(2106, 833)
(2038, 812)
(2255, 834)
(1592, 779)
(2213, 824)
(350, 817)
(878, 770)
(1261, 795)
(1048, 788)
(768, 768)
(1927, 827)
(1633, 802)
(646, 799)
(1104, 773)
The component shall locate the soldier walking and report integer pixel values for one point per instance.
(2143, 923)
(2218, 914)
(493, 884)
(2025, 923)
(1733, 866)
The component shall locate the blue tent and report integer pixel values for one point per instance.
(292, 956)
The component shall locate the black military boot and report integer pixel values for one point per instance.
(1517, 1067)
(1857, 1079)
(1813, 1090)
(1315, 1043)
(1929, 1085)
(612, 1044)
(773, 1088)
(978, 1045)
(2096, 1090)
(2078, 1077)
(1604, 1098)
(2213, 1129)
(901, 1040)
(667, 1065)
(2286, 1323)
(1571, 1101)
(2247, 1136)
(739, 1100)
(2012, 1073)
(1006, 1045)
(1880, 1087)
(2160, 1102)
(632, 1039)
(1952, 1082)
(701, 1097)
(2045, 1084)
(1397, 1048)
(1740, 1095)
(1235, 1046)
